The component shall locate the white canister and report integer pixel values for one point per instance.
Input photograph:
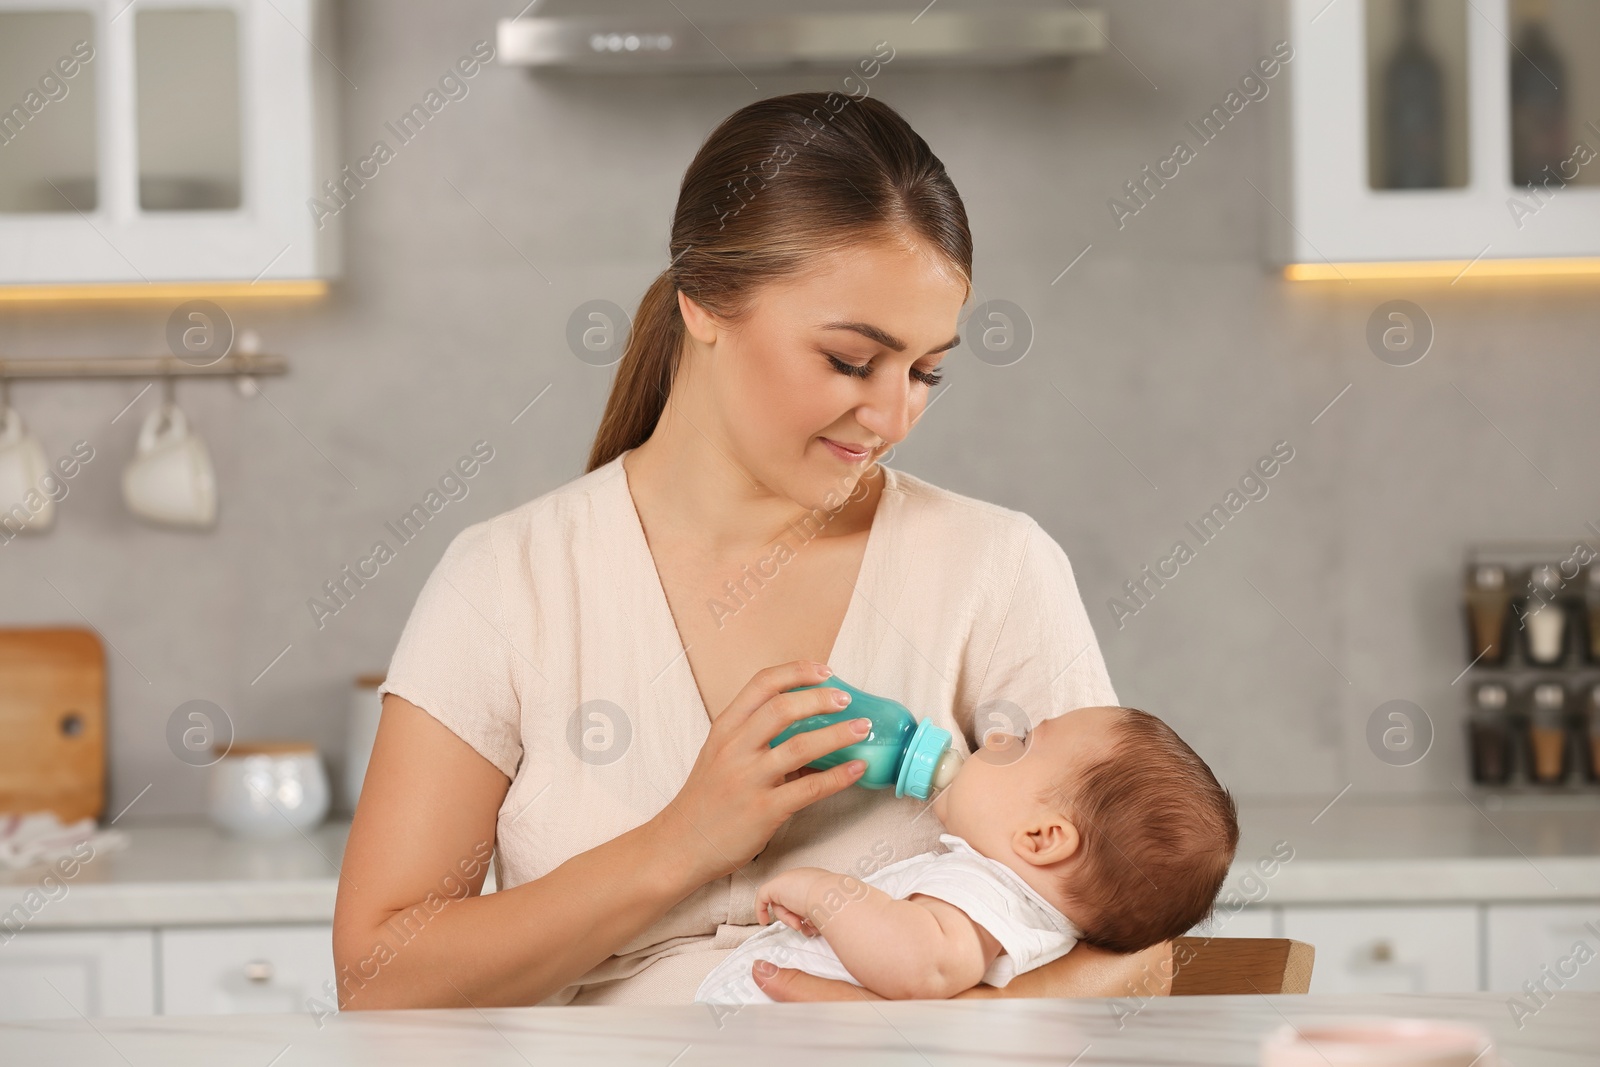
(366, 703)
(267, 789)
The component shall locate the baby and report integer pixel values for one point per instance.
(1100, 826)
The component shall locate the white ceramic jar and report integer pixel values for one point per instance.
(268, 789)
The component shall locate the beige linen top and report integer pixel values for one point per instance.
(544, 640)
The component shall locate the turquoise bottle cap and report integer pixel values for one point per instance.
(921, 760)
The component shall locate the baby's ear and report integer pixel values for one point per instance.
(1053, 839)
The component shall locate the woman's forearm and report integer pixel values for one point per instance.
(1088, 971)
(519, 945)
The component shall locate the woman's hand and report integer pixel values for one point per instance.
(1086, 971)
(741, 789)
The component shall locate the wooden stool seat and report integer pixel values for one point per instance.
(1228, 965)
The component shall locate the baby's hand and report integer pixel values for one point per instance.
(784, 898)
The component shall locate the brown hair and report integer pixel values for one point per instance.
(776, 183)
(1158, 832)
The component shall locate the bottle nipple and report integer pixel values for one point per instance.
(944, 772)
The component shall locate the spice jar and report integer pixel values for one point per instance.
(1591, 603)
(1547, 734)
(1491, 736)
(1487, 598)
(1544, 617)
(1592, 733)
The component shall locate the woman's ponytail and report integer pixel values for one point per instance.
(644, 376)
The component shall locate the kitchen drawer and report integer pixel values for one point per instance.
(58, 974)
(1525, 939)
(245, 969)
(1389, 950)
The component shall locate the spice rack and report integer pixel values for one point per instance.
(1531, 617)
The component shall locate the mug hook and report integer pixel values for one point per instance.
(169, 390)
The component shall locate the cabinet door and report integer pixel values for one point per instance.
(1552, 946)
(1389, 950)
(60, 975)
(184, 145)
(246, 970)
(1354, 111)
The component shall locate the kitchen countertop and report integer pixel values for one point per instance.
(191, 874)
(1356, 850)
(1466, 848)
(1084, 1033)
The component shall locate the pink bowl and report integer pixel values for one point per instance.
(1378, 1042)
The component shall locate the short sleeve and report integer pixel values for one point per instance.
(455, 659)
(1046, 659)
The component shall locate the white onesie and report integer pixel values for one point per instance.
(1031, 930)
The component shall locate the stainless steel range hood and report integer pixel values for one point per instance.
(726, 35)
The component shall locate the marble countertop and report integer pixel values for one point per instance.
(1356, 849)
(1082, 1033)
(190, 873)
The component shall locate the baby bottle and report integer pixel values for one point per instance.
(912, 756)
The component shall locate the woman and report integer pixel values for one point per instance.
(588, 683)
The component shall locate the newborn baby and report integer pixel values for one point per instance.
(1100, 826)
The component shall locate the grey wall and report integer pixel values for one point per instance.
(1183, 358)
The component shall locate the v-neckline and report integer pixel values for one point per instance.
(842, 638)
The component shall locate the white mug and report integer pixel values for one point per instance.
(170, 479)
(24, 505)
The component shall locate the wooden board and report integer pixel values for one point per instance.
(52, 722)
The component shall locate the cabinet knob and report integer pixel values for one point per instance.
(1382, 951)
(258, 971)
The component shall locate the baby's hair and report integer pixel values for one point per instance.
(1158, 832)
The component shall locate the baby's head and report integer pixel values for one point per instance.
(1108, 814)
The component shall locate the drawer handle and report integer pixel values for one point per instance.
(1382, 951)
(258, 971)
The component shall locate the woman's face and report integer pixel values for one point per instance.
(847, 353)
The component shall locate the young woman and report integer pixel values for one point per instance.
(588, 683)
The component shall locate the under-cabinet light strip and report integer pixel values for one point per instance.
(122, 292)
(1442, 268)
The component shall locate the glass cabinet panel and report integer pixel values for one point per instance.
(1416, 94)
(187, 74)
(47, 111)
(1555, 92)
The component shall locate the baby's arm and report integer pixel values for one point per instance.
(920, 948)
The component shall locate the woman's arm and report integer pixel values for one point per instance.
(409, 928)
(1086, 971)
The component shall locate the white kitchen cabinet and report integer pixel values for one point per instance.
(64, 974)
(166, 141)
(1554, 946)
(246, 969)
(1353, 193)
(1389, 949)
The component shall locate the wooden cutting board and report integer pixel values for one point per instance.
(52, 722)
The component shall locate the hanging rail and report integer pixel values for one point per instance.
(229, 366)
